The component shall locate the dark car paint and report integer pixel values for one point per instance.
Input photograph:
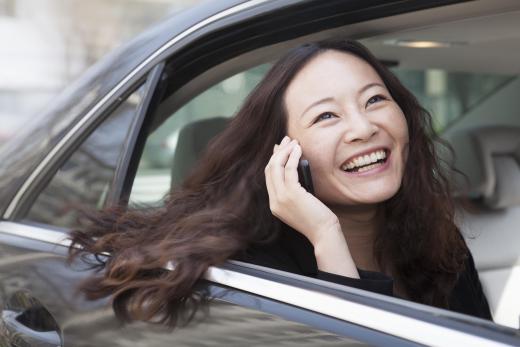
(38, 267)
(45, 277)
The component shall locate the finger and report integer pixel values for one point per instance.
(291, 167)
(269, 184)
(284, 141)
(277, 168)
(279, 158)
(273, 162)
(271, 188)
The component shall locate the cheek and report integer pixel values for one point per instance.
(399, 128)
(318, 151)
(320, 154)
(401, 136)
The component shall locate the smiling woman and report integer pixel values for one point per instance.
(358, 153)
(381, 218)
(356, 119)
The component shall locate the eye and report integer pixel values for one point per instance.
(375, 98)
(324, 116)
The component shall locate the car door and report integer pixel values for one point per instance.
(100, 158)
(40, 308)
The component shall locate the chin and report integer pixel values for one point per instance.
(357, 197)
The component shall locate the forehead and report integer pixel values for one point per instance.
(327, 75)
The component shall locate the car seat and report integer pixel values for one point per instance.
(193, 139)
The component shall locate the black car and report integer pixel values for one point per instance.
(134, 124)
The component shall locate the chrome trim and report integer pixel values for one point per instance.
(374, 318)
(370, 317)
(35, 233)
(28, 182)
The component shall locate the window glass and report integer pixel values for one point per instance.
(448, 96)
(173, 148)
(86, 177)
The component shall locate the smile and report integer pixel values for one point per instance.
(366, 161)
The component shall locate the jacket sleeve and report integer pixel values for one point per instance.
(368, 280)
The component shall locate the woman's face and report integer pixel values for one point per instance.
(350, 129)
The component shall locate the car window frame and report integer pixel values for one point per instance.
(148, 106)
(440, 317)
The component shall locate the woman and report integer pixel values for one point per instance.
(381, 217)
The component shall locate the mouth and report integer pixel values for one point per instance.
(367, 161)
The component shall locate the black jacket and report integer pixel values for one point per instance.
(292, 252)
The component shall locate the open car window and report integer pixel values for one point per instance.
(172, 148)
(457, 98)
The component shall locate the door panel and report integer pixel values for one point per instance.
(43, 275)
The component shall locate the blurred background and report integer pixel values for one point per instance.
(45, 44)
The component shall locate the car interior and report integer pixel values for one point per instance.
(462, 64)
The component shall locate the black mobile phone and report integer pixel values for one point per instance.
(304, 175)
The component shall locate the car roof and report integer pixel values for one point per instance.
(27, 148)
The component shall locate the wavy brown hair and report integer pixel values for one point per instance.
(222, 207)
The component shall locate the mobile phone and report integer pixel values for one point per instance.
(304, 175)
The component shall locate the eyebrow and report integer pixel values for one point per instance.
(329, 98)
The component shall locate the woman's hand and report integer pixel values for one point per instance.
(302, 211)
(288, 200)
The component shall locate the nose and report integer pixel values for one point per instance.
(359, 128)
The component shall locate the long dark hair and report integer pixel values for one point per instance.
(223, 207)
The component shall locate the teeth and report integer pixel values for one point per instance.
(365, 161)
(366, 168)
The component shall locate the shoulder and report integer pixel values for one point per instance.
(468, 295)
(267, 255)
(289, 251)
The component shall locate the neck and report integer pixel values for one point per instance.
(359, 225)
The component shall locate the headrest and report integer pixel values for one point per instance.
(490, 159)
(193, 139)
